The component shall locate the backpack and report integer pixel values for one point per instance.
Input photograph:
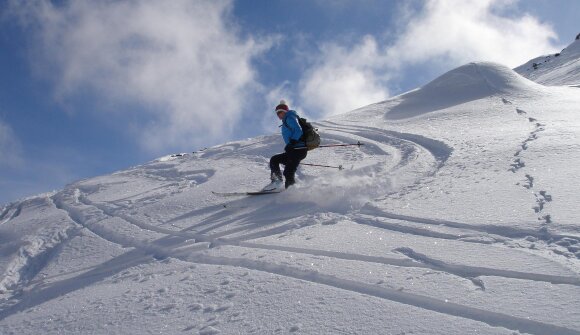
(310, 134)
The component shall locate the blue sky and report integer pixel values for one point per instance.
(91, 87)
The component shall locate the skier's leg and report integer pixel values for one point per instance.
(275, 162)
(289, 174)
(293, 160)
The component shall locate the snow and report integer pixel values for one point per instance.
(458, 215)
(559, 69)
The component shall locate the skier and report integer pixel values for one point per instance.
(295, 149)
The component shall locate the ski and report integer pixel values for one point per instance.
(233, 194)
(264, 192)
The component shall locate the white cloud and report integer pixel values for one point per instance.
(187, 64)
(10, 147)
(182, 60)
(344, 79)
(455, 32)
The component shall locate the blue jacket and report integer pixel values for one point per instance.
(291, 129)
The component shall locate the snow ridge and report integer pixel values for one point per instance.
(560, 69)
(466, 83)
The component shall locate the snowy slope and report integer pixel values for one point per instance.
(555, 70)
(457, 216)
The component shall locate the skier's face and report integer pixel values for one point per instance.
(281, 115)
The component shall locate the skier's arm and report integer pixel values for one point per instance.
(295, 127)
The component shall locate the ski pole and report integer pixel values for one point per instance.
(328, 166)
(335, 145)
(341, 145)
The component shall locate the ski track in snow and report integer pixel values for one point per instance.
(192, 243)
(167, 246)
(190, 239)
(10, 212)
(409, 145)
(33, 253)
(424, 302)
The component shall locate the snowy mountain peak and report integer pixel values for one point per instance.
(560, 69)
(466, 83)
(496, 77)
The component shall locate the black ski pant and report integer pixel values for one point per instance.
(290, 159)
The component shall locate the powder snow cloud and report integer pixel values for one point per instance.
(181, 63)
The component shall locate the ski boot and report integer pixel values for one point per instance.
(276, 181)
